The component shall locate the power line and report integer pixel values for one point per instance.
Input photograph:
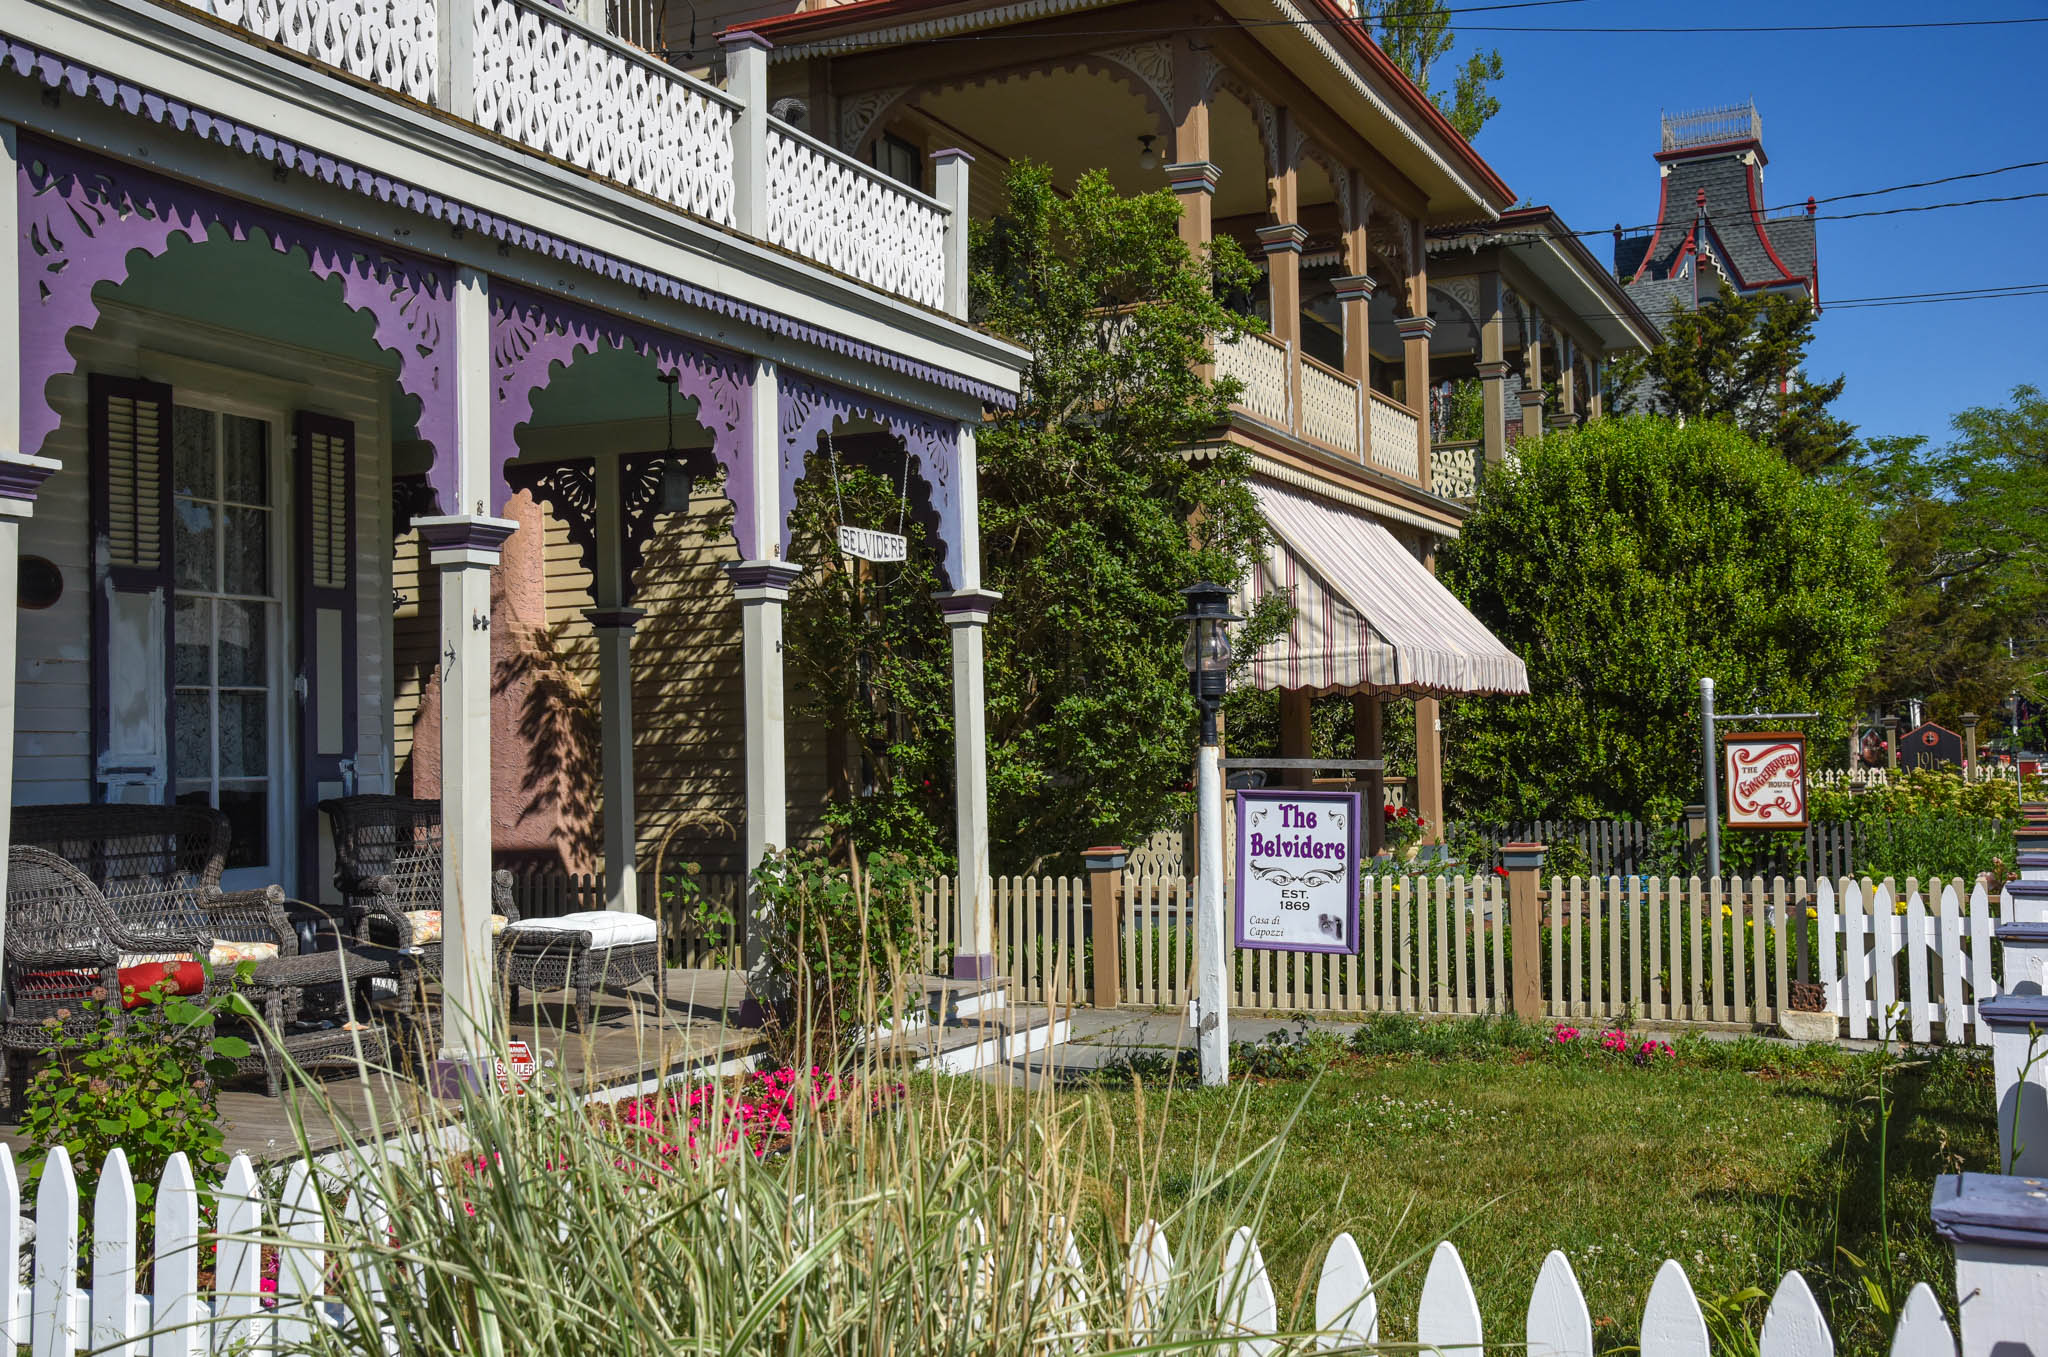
(1246, 25)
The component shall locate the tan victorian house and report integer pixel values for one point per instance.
(1276, 122)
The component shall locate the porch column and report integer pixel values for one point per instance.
(614, 627)
(1190, 172)
(1429, 746)
(1567, 379)
(1368, 741)
(1532, 380)
(1493, 369)
(20, 474)
(967, 609)
(1595, 405)
(1415, 332)
(613, 621)
(464, 546)
(762, 586)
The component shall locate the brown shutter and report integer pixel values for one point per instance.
(129, 429)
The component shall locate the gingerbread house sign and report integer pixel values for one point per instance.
(1766, 773)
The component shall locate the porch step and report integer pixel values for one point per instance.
(952, 1002)
(981, 1042)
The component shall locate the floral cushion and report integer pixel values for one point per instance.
(228, 952)
(426, 925)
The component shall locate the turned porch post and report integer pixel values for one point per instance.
(1493, 369)
(1190, 172)
(1532, 377)
(1282, 242)
(464, 545)
(20, 474)
(966, 609)
(762, 586)
(613, 622)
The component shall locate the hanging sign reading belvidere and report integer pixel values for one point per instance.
(871, 544)
(1766, 780)
(1297, 871)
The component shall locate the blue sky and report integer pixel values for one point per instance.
(1842, 112)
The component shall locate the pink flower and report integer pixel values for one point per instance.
(1565, 1034)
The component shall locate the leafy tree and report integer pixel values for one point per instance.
(1417, 34)
(1625, 561)
(1093, 517)
(1741, 360)
(1966, 531)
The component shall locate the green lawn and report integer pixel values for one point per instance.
(1740, 1161)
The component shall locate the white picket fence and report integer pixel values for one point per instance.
(1670, 951)
(56, 1316)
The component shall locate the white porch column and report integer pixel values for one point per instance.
(613, 622)
(20, 474)
(966, 609)
(464, 546)
(762, 585)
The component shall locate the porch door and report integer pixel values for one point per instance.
(324, 457)
(227, 625)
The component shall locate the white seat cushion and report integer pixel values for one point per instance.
(607, 927)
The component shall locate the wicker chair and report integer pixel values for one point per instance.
(60, 957)
(387, 866)
(158, 868)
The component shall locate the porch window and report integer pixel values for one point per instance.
(226, 623)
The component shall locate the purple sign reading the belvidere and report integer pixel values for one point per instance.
(1297, 871)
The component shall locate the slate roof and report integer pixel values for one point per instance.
(1725, 182)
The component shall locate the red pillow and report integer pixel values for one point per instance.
(185, 977)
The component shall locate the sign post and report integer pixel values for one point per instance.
(1297, 871)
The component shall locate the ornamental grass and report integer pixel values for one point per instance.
(853, 1207)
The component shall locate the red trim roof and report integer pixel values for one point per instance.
(787, 28)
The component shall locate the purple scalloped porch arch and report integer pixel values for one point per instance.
(531, 334)
(810, 407)
(83, 215)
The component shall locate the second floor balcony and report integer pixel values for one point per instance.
(1314, 402)
(553, 85)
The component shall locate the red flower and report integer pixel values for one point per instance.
(1500, 871)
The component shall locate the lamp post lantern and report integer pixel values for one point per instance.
(1207, 654)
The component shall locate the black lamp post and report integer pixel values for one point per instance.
(1208, 659)
(1207, 651)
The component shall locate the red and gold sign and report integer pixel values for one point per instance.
(1766, 772)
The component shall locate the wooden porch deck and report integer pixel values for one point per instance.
(628, 1042)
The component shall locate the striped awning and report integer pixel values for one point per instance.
(1368, 616)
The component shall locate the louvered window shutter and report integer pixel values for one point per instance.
(325, 453)
(129, 423)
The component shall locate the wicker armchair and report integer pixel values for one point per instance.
(61, 956)
(387, 866)
(158, 869)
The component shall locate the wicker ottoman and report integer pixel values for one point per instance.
(588, 951)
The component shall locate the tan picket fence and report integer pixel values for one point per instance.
(1902, 959)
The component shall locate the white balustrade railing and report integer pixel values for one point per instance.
(1396, 437)
(1329, 407)
(828, 207)
(193, 1309)
(1260, 363)
(580, 96)
(392, 43)
(572, 92)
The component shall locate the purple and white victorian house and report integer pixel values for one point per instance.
(292, 274)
